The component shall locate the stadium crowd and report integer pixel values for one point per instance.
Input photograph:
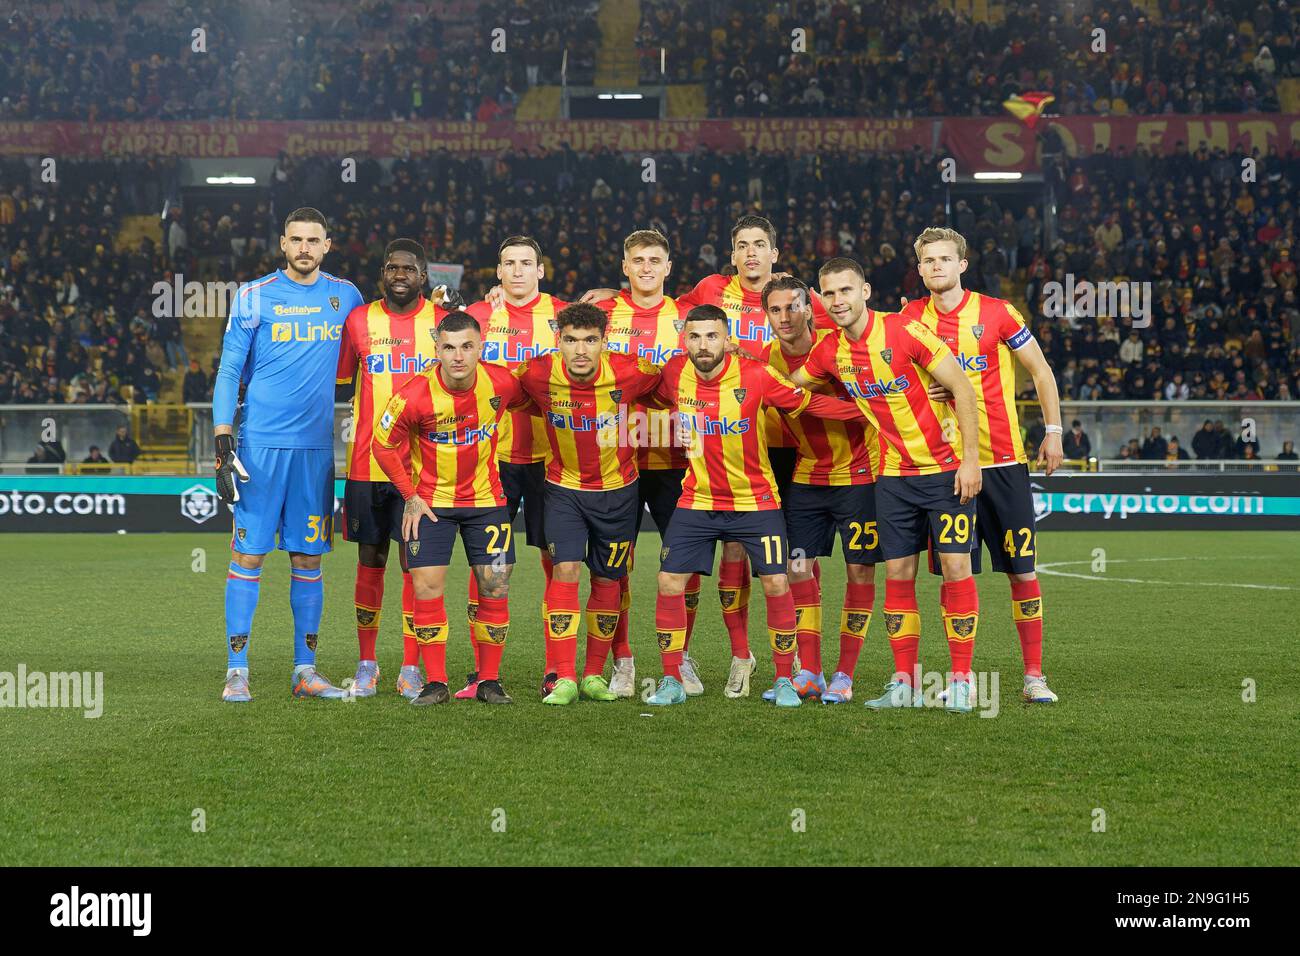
(380, 58)
(896, 58)
(1217, 252)
(375, 59)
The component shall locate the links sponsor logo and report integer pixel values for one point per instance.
(36, 503)
(881, 389)
(972, 363)
(512, 353)
(313, 332)
(380, 362)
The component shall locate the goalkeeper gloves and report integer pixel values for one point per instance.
(228, 468)
(451, 298)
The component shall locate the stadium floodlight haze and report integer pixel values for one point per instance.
(537, 404)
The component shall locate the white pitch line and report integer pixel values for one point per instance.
(1049, 569)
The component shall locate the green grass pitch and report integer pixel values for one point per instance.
(1149, 658)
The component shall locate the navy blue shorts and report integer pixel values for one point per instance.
(659, 490)
(598, 527)
(372, 512)
(911, 509)
(525, 484)
(782, 461)
(486, 534)
(289, 497)
(815, 513)
(691, 542)
(1005, 510)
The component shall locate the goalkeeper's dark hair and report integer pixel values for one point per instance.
(407, 245)
(707, 313)
(459, 321)
(786, 284)
(582, 315)
(306, 214)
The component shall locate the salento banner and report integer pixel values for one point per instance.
(236, 138)
(995, 144)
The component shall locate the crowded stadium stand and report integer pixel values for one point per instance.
(840, 144)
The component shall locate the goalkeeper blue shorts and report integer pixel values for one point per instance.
(290, 495)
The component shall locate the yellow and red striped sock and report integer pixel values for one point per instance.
(1027, 612)
(602, 623)
(692, 597)
(781, 632)
(493, 625)
(410, 649)
(807, 596)
(622, 647)
(855, 618)
(670, 632)
(961, 618)
(733, 594)
(431, 635)
(562, 615)
(368, 599)
(902, 627)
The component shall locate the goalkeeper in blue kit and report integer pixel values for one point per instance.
(282, 341)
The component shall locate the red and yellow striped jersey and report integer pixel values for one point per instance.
(830, 452)
(744, 309)
(452, 437)
(654, 334)
(512, 335)
(589, 449)
(887, 371)
(387, 349)
(983, 332)
(722, 420)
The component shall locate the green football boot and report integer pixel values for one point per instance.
(593, 687)
(565, 692)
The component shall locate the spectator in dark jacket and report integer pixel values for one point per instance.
(1205, 442)
(1154, 448)
(195, 387)
(1076, 443)
(124, 448)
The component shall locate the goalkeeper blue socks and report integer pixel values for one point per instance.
(242, 585)
(307, 599)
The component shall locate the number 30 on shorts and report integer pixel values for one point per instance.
(955, 529)
(319, 529)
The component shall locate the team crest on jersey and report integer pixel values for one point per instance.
(739, 393)
(555, 326)
(977, 331)
(495, 402)
(606, 624)
(887, 355)
(334, 301)
(679, 324)
(616, 395)
(413, 547)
